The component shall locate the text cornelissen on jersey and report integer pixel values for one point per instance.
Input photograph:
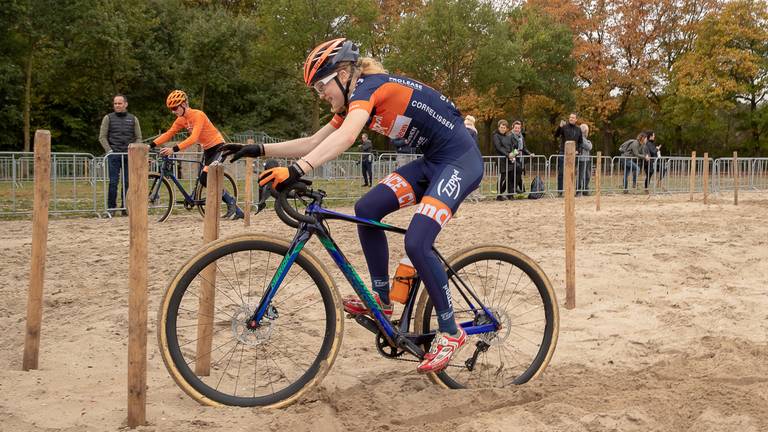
(429, 110)
(406, 82)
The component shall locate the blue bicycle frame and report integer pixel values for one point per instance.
(167, 172)
(396, 335)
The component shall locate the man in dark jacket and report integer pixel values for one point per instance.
(651, 153)
(502, 142)
(118, 129)
(567, 132)
(366, 148)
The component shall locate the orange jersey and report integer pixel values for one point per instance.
(200, 128)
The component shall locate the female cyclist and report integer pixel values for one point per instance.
(361, 93)
(200, 130)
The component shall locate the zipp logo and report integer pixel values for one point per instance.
(435, 210)
(402, 189)
(452, 187)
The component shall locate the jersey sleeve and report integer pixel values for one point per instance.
(175, 127)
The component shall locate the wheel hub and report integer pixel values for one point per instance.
(500, 336)
(247, 334)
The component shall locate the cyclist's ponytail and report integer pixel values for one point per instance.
(363, 66)
(370, 66)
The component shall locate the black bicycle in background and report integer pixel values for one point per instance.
(161, 194)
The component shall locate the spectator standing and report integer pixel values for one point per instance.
(366, 148)
(632, 152)
(118, 129)
(651, 154)
(584, 171)
(403, 151)
(569, 131)
(518, 143)
(502, 142)
(469, 122)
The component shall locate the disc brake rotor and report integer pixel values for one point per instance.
(500, 336)
(252, 337)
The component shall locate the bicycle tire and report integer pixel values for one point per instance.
(538, 319)
(161, 197)
(322, 325)
(200, 194)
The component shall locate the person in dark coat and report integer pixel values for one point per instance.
(502, 142)
(569, 131)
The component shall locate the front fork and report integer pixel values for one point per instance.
(265, 307)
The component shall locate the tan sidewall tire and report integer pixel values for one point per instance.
(421, 303)
(311, 259)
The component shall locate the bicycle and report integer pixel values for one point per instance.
(162, 197)
(277, 322)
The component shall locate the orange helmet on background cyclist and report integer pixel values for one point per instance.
(175, 98)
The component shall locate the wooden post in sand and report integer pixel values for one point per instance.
(570, 225)
(705, 177)
(598, 173)
(39, 247)
(208, 282)
(248, 187)
(736, 174)
(138, 271)
(693, 174)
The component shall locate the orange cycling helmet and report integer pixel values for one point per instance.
(323, 59)
(176, 98)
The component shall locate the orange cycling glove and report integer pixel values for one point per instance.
(281, 177)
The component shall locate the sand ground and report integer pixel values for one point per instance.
(670, 332)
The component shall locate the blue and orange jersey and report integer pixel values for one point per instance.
(200, 128)
(400, 107)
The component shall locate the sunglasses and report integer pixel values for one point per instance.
(319, 86)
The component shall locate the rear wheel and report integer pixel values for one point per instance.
(272, 365)
(160, 197)
(520, 296)
(229, 186)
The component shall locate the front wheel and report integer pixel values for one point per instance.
(519, 295)
(273, 365)
(160, 197)
(229, 186)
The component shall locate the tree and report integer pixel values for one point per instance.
(728, 66)
(438, 44)
(290, 29)
(526, 54)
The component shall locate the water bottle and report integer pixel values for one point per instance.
(403, 281)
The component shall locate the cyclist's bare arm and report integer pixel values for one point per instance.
(300, 146)
(337, 141)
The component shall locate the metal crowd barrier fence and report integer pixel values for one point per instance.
(753, 174)
(758, 174)
(507, 178)
(73, 189)
(80, 181)
(583, 174)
